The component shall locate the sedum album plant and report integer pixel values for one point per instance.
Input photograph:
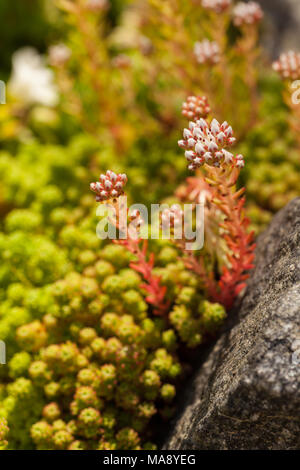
(224, 268)
(230, 245)
(110, 188)
(100, 335)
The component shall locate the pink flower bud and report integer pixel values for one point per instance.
(288, 65)
(110, 186)
(195, 107)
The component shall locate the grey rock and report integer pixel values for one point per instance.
(246, 395)
(281, 25)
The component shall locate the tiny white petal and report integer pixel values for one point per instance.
(182, 143)
(187, 134)
(207, 156)
(215, 126)
(202, 124)
(191, 142)
(108, 185)
(221, 136)
(212, 147)
(113, 176)
(199, 148)
(228, 157)
(189, 155)
(229, 132)
(198, 133)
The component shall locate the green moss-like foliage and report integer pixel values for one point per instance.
(89, 365)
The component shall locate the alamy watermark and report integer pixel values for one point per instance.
(296, 94)
(184, 223)
(296, 352)
(2, 92)
(2, 353)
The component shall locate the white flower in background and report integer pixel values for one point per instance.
(288, 65)
(31, 81)
(247, 13)
(207, 52)
(195, 107)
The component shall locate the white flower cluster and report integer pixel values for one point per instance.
(31, 81)
(195, 107)
(288, 65)
(109, 186)
(207, 52)
(247, 13)
(172, 217)
(207, 143)
(217, 6)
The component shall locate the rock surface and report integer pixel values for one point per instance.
(246, 395)
(281, 25)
